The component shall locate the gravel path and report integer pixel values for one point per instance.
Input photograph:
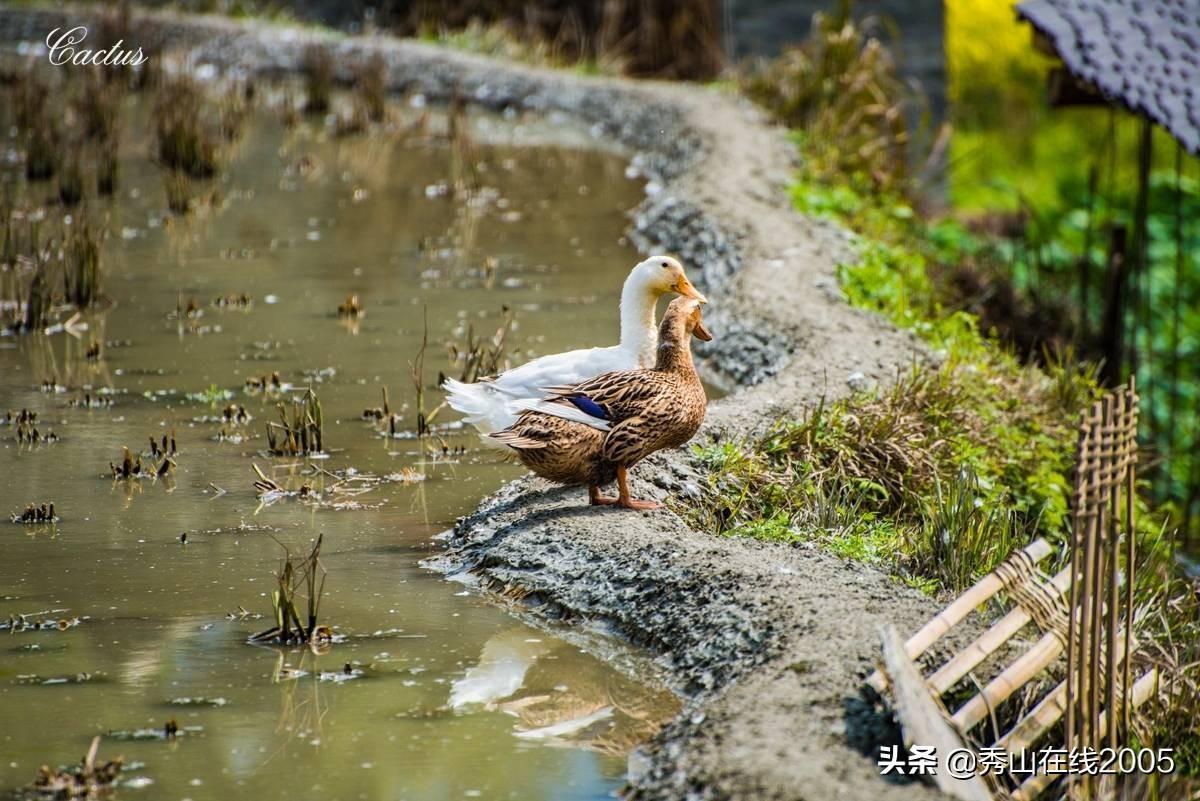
(768, 643)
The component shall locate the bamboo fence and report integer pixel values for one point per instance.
(1084, 611)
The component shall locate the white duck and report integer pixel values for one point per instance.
(492, 404)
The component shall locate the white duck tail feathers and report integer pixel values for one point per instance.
(482, 404)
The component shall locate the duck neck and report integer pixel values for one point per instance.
(639, 334)
(674, 354)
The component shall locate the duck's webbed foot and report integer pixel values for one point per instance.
(625, 500)
(634, 503)
(599, 500)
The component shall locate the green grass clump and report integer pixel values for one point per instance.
(185, 142)
(318, 68)
(82, 268)
(370, 85)
(938, 475)
(108, 169)
(41, 154)
(70, 182)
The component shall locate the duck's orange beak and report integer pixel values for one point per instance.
(684, 287)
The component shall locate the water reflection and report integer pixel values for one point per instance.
(557, 701)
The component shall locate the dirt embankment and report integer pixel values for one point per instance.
(768, 643)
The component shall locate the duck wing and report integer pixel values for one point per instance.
(490, 404)
(618, 395)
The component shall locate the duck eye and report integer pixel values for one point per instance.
(664, 265)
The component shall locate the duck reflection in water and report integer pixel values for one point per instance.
(560, 696)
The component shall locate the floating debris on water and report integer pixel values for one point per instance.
(269, 490)
(47, 620)
(86, 780)
(319, 375)
(351, 307)
(212, 396)
(240, 528)
(198, 701)
(170, 730)
(272, 384)
(346, 485)
(78, 678)
(241, 302)
(34, 514)
(405, 475)
(347, 673)
(90, 401)
(242, 613)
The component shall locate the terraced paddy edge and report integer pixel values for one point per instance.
(767, 643)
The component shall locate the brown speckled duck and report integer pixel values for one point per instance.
(593, 432)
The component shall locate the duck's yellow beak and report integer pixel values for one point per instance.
(684, 287)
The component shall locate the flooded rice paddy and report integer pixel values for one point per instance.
(139, 601)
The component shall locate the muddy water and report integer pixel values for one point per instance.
(447, 696)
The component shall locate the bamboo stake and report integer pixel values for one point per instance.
(1030, 728)
(1130, 541)
(1098, 564)
(1114, 549)
(1070, 735)
(1084, 686)
(1038, 721)
(990, 641)
(1011, 679)
(953, 614)
(922, 720)
(1032, 787)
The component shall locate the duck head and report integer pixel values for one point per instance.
(681, 322)
(683, 319)
(659, 275)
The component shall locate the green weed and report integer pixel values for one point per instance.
(185, 142)
(840, 90)
(318, 68)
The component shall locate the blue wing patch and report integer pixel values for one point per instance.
(588, 406)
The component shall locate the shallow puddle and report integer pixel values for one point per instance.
(429, 691)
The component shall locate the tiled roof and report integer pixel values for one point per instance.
(1144, 54)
